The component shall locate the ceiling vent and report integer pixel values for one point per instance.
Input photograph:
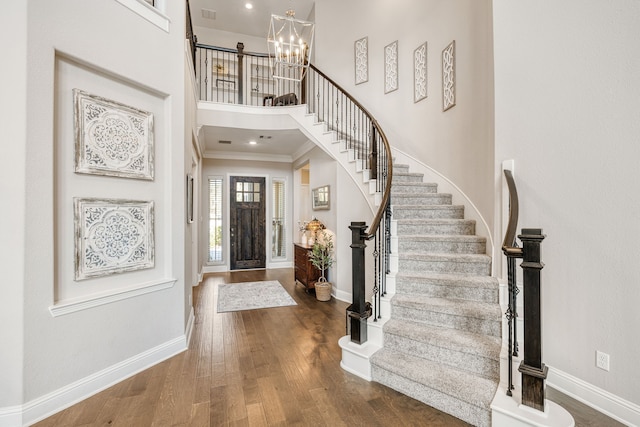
(208, 14)
(224, 142)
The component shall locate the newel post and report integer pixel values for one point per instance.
(357, 311)
(240, 78)
(534, 372)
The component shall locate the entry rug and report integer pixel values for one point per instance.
(252, 295)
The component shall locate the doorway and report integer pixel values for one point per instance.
(247, 222)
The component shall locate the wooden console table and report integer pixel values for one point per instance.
(305, 272)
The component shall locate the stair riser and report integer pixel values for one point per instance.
(447, 291)
(413, 189)
(407, 178)
(426, 213)
(456, 358)
(421, 199)
(470, 413)
(449, 267)
(448, 320)
(400, 168)
(436, 246)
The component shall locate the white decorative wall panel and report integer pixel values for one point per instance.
(112, 138)
(361, 51)
(449, 76)
(112, 236)
(420, 73)
(391, 67)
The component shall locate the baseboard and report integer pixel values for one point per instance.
(215, 268)
(343, 296)
(601, 400)
(51, 403)
(190, 323)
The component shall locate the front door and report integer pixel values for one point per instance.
(247, 222)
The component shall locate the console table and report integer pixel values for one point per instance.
(305, 272)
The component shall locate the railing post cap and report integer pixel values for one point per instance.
(532, 234)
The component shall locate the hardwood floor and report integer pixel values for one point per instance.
(276, 366)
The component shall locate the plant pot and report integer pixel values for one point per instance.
(323, 291)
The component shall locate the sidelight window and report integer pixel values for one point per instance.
(215, 219)
(278, 240)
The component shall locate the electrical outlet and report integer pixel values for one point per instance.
(602, 360)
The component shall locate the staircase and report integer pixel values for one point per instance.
(442, 340)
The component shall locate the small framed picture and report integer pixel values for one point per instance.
(320, 198)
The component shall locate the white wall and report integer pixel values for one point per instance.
(212, 37)
(457, 143)
(136, 63)
(568, 112)
(13, 178)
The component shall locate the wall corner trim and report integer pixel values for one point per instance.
(83, 303)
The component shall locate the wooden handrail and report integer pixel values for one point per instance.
(508, 244)
(375, 224)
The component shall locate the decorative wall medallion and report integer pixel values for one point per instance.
(391, 67)
(420, 73)
(449, 76)
(361, 51)
(112, 236)
(111, 138)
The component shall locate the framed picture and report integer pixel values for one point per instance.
(112, 236)
(112, 139)
(361, 59)
(391, 67)
(449, 76)
(225, 84)
(320, 198)
(189, 199)
(420, 73)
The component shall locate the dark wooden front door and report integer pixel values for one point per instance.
(247, 233)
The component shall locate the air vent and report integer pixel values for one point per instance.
(208, 14)
(224, 142)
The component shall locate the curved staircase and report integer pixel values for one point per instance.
(442, 340)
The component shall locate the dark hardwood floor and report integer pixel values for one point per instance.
(275, 366)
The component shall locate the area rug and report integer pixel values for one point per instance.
(252, 295)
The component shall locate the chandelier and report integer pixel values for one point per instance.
(290, 41)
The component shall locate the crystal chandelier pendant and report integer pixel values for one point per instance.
(290, 41)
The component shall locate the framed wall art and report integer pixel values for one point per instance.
(320, 198)
(391, 67)
(449, 76)
(420, 73)
(112, 236)
(112, 139)
(361, 57)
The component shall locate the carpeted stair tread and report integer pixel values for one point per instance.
(485, 282)
(483, 258)
(452, 286)
(461, 238)
(472, 309)
(435, 226)
(432, 383)
(412, 187)
(464, 341)
(428, 212)
(421, 198)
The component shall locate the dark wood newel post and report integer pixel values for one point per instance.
(240, 78)
(534, 372)
(358, 311)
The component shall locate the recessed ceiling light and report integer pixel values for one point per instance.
(252, 142)
(248, 6)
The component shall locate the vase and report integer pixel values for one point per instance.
(303, 238)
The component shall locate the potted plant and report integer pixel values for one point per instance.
(321, 256)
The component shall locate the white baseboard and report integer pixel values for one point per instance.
(190, 324)
(343, 296)
(601, 400)
(51, 403)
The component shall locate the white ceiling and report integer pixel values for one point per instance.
(233, 16)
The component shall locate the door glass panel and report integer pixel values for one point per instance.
(239, 197)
